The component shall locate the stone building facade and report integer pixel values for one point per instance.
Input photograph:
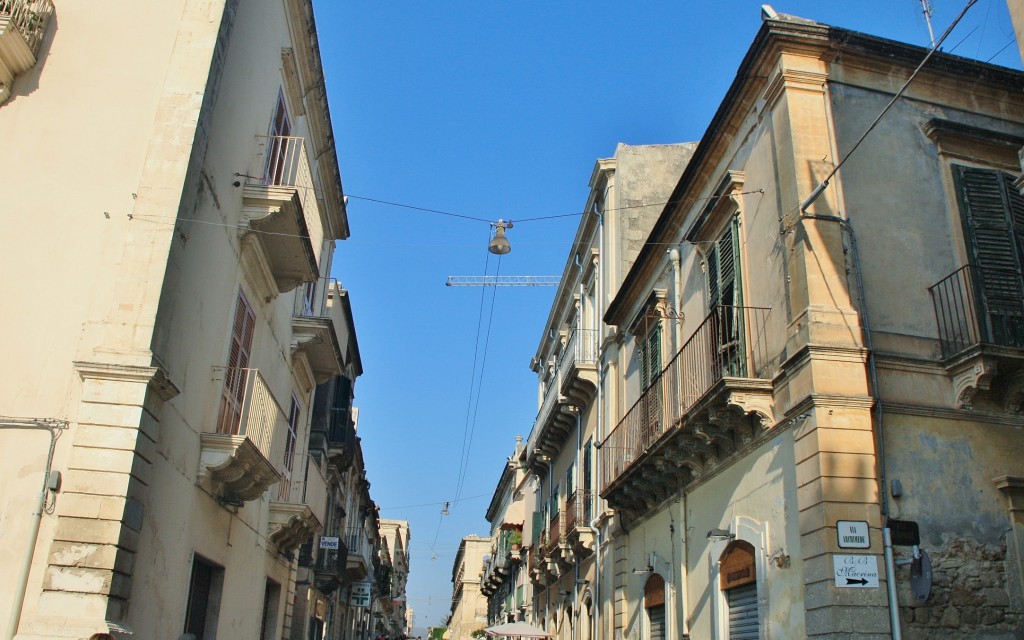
(812, 350)
(173, 164)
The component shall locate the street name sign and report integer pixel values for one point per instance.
(853, 534)
(855, 572)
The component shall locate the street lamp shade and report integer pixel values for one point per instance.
(499, 243)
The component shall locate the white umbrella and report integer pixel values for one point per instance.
(516, 629)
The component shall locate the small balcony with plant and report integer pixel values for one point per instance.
(22, 27)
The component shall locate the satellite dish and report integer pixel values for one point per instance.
(921, 577)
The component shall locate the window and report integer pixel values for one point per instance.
(992, 213)
(291, 439)
(722, 267)
(278, 148)
(738, 582)
(237, 368)
(725, 301)
(271, 596)
(587, 481)
(570, 487)
(204, 593)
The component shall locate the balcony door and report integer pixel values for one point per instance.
(725, 302)
(992, 213)
(235, 377)
(278, 148)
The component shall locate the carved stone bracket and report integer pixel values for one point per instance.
(976, 376)
(291, 524)
(232, 468)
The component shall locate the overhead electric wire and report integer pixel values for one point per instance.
(480, 383)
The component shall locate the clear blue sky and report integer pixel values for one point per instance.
(499, 110)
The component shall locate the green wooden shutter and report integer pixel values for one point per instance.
(993, 221)
(723, 267)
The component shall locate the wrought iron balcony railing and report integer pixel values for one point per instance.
(29, 17)
(729, 343)
(976, 306)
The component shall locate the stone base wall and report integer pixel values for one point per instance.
(970, 596)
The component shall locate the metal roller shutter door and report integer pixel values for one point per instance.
(743, 612)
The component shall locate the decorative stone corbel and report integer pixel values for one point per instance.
(968, 381)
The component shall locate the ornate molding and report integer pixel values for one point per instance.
(291, 525)
(232, 467)
(155, 377)
(969, 380)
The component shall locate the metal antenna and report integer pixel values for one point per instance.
(926, 9)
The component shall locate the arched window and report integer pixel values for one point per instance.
(738, 582)
(654, 604)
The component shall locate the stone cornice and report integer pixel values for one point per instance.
(949, 413)
(155, 376)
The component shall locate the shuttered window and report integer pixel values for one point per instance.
(238, 361)
(743, 612)
(723, 267)
(587, 481)
(725, 301)
(654, 603)
(992, 213)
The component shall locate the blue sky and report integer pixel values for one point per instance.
(499, 110)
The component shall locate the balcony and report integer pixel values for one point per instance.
(331, 425)
(572, 386)
(236, 462)
(330, 567)
(316, 319)
(579, 537)
(298, 513)
(22, 25)
(712, 399)
(359, 560)
(282, 227)
(577, 366)
(980, 317)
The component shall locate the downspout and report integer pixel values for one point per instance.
(684, 626)
(53, 427)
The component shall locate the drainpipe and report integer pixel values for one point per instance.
(684, 627)
(54, 427)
